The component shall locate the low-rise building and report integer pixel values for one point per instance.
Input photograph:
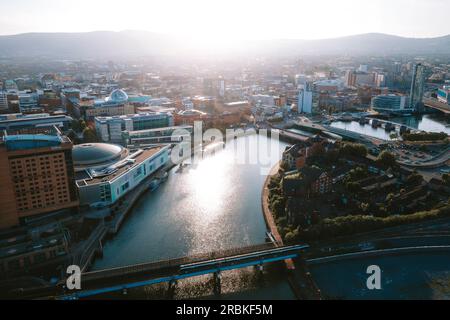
(105, 172)
(19, 121)
(159, 135)
(111, 128)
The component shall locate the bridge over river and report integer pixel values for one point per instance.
(170, 271)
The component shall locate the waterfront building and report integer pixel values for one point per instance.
(106, 172)
(19, 121)
(36, 175)
(110, 128)
(443, 94)
(390, 103)
(417, 87)
(154, 136)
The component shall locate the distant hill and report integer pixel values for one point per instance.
(141, 43)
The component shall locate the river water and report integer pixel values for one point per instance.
(431, 123)
(406, 276)
(209, 206)
(215, 205)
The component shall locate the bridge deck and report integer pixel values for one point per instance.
(103, 281)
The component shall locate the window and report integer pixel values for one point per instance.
(125, 186)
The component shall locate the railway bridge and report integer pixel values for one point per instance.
(170, 271)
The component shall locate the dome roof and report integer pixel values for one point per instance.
(118, 95)
(96, 153)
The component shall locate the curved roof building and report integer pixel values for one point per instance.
(118, 96)
(97, 154)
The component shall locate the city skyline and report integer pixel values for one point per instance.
(233, 20)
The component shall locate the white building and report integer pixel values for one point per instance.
(105, 173)
(305, 99)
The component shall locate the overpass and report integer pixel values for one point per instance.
(436, 104)
(170, 271)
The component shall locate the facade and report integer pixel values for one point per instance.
(443, 94)
(37, 176)
(115, 105)
(390, 103)
(110, 128)
(359, 78)
(188, 117)
(159, 135)
(107, 110)
(20, 121)
(417, 87)
(29, 102)
(105, 184)
(3, 101)
(305, 99)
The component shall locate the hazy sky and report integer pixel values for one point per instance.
(262, 19)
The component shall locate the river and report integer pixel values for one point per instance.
(406, 276)
(209, 206)
(431, 123)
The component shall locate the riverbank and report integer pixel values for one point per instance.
(299, 278)
(268, 215)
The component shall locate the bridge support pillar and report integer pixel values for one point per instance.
(217, 283)
(172, 288)
(259, 271)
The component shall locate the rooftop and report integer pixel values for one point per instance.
(116, 170)
(96, 153)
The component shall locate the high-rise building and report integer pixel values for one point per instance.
(3, 101)
(36, 175)
(305, 100)
(417, 87)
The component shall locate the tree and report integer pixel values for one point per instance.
(414, 179)
(291, 236)
(89, 135)
(353, 187)
(386, 159)
(354, 149)
(446, 178)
